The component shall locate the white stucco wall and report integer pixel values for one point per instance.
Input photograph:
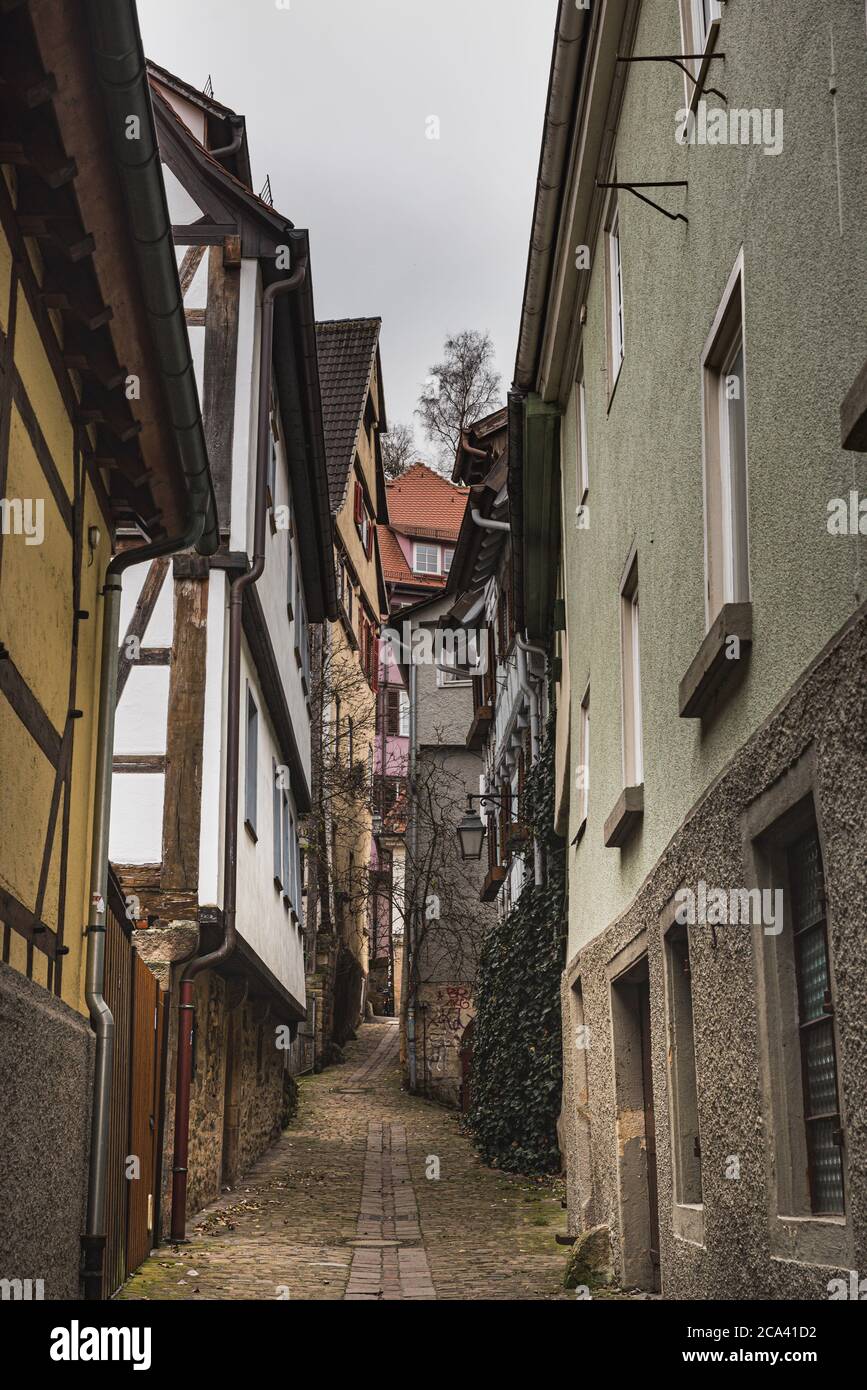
(263, 920)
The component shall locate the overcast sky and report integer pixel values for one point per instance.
(430, 235)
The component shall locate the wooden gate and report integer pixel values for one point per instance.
(135, 1124)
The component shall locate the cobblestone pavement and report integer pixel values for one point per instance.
(348, 1205)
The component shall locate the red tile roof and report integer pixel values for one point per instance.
(424, 503)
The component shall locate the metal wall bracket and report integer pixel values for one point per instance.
(665, 183)
(699, 83)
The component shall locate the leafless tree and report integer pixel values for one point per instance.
(461, 389)
(398, 451)
(438, 913)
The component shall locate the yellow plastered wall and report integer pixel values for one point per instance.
(36, 627)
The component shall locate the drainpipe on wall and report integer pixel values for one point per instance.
(186, 1007)
(409, 949)
(236, 141)
(100, 1014)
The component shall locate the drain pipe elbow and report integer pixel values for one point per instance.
(487, 523)
(234, 144)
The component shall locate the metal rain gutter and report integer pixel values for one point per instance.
(122, 74)
(550, 184)
(120, 67)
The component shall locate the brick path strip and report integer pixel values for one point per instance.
(349, 1205)
(382, 1267)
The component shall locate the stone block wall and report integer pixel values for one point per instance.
(730, 1246)
(47, 1052)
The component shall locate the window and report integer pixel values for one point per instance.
(681, 1069)
(725, 454)
(362, 520)
(614, 291)
(697, 16)
(278, 844)
(426, 559)
(252, 752)
(397, 713)
(288, 852)
(302, 636)
(583, 771)
(633, 754)
(387, 793)
(455, 677)
(290, 576)
(581, 437)
(448, 556)
(816, 1024)
(797, 1016)
(272, 458)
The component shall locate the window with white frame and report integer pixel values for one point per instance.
(697, 17)
(581, 439)
(683, 1085)
(583, 771)
(290, 577)
(273, 436)
(426, 559)
(725, 454)
(630, 660)
(251, 746)
(448, 556)
(277, 822)
(614, 290)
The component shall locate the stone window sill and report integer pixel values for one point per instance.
(626, 815)
(717, 663)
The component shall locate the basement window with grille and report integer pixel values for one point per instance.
(683, 1084)
(796, 1005)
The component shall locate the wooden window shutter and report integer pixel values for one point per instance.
(369, 540)
(376, 662)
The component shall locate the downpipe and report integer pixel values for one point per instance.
(101, 1017)
(186, 1006)
(409, 952)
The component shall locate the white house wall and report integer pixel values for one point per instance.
(244, 432)
(137, 817)
(141, 723)
(262, 919)
(213, 761)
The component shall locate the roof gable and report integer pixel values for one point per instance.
(424, 503)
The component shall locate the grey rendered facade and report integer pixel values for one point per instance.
(446, 919)
(694, 1043)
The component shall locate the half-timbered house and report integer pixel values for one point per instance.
(206, 836)
(101, 450)
(347, 674)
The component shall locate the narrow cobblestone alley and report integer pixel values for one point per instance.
(343, 1207)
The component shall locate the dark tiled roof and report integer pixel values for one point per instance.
(347, 351)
